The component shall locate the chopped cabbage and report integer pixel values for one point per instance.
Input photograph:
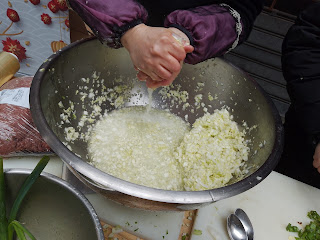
(212, 152)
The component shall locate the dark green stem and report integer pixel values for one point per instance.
(26, 187)
(3, 218)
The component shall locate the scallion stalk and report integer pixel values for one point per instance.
(26, 187)
(9, 226)
(17, 225)
(3, 218)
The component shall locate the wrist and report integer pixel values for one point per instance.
(128, 37)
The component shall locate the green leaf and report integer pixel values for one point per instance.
(291, 228)
(197, 232)
(314, 215)
(26, 187)
(3, 219)
(310, 231)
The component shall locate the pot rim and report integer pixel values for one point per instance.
(109, 182)
(69, 188)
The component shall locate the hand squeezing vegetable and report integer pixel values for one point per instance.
(156, 53)
(11, 225)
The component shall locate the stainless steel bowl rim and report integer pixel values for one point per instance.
(110, 182)
(70, 188)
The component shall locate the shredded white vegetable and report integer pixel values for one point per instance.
(155, 148)
(138, 146)
(212, 152)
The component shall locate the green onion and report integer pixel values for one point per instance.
(197, 232)
(27, 185)
(184, 237)
(19, 233)
(291, 228)
(8, 227)
(314, 215)
(3, 219)
(311, 231)
(18, 225)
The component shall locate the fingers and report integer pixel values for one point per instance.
(167, 45)
(142, 76)
(175, 49)
(151, 83)
(166, 69)
(316, 165)
(316, 158)
(154, 84)
(165, 82)
(156, 54)
(169, 54)
(163, 72)
(316, 162)
(188, 48)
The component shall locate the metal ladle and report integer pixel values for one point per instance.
(235, 228)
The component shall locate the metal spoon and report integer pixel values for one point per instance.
(243, 217)
(235, 228)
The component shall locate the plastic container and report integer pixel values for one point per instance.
(9, 65)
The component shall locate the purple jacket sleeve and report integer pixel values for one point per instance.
(212, 30)
(108, 19)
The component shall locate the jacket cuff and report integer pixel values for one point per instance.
(238, 26)
(108, 19)
(212, 29)
(119, 31)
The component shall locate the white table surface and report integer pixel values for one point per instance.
(271, 205)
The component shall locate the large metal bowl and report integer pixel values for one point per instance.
(53, 209)
(59, 78)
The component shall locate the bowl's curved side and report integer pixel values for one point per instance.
(93, 176)
(55, 204)
(271, 162)
(37, 101)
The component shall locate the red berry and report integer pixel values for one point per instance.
(13, 15)
(46, 18)
(67, 23)
(62, 4)
(35, 2)
(53, 6)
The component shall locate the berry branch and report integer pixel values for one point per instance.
(14, 17)
(9, 34)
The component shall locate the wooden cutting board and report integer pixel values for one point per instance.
(186, 229)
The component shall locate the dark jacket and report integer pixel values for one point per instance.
(213, 26)
(301, 69)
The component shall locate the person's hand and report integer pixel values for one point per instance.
(155, 53)
(316, 158)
